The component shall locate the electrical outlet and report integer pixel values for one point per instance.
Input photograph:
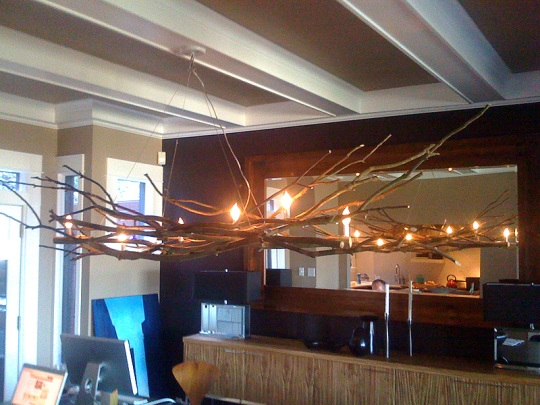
(301, 271)
(311, 272)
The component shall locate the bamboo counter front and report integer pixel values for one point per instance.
(283, 371)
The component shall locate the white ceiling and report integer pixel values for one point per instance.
(267, 63)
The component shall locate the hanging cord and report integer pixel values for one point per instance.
(226, 138)
(166, 193)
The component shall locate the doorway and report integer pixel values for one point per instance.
(10, 268)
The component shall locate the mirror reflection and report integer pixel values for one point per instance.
(449, 197)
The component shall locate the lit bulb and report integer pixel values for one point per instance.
(68, 225)
(357, 234)
(122, 237)
(181, 221)
(235, 212)
(475, 225)
(286, 202)
(380, 242)
(408, 236)
(506, 234)
(449, 230)
(346, 221)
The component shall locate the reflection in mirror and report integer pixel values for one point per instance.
(446, 197)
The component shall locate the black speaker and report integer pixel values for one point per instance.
(235, 287)
(279, 277)
(514, 303)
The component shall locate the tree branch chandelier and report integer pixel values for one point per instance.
(159, 238)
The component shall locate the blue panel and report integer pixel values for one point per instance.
(134, 318)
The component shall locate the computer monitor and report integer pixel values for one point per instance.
(98, 364)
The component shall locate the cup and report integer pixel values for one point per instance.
(420, 279)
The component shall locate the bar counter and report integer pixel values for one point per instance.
(274, 370)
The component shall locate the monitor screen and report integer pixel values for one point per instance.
(89, 359)
(39, 386)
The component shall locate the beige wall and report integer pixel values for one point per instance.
(101, 276)
(41, 141)
(106, 276)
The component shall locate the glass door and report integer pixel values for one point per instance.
(10, 264)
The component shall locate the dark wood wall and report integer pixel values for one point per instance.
(200, 168)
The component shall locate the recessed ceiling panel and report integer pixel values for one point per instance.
(64, 29)
(329, 36)
(512, 28)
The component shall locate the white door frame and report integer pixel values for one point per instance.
(28, 165)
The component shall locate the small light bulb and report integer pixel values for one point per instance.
(506, 234)
(181, 221)
(346, 221)
(68, 225)
(449, 230)
(122, 237)
(475, 225)
(235, 212)
(408, 236)
(357, 234)
(380, 242)
(286, 202)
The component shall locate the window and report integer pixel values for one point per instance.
(131, 195)
(10, 177)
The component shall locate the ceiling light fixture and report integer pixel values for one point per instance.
(169, 240)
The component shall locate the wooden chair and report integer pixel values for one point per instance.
(195, 378)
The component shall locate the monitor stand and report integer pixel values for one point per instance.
(89, 384)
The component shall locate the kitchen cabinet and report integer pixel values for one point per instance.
(284, 371)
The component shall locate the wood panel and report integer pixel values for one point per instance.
(230, 383)
(281, 371)
(439, 309)
(353, 383)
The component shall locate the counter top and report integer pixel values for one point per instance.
(420, 362)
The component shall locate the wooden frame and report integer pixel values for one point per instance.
(470, 152)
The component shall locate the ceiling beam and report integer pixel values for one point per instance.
(440, 37)
(231, 49)
(36, 59)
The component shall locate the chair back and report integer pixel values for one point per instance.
(195, 378)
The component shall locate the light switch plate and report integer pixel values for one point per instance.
(311, 272)
(301, 271)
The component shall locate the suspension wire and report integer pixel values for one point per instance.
(229, 147)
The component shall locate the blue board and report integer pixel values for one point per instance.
(134, 318)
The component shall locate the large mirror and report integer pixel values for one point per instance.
(450, 197)
(503, 162)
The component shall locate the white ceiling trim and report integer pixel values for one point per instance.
(420, 97)
(416, 29)
(40, 60)
(27, 111)
(174, 25)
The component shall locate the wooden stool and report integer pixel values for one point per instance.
(195, 378)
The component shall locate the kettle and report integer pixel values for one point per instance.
(451, 281)
(359, 341)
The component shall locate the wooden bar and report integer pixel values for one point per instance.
(272, 370)
(439, 309)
